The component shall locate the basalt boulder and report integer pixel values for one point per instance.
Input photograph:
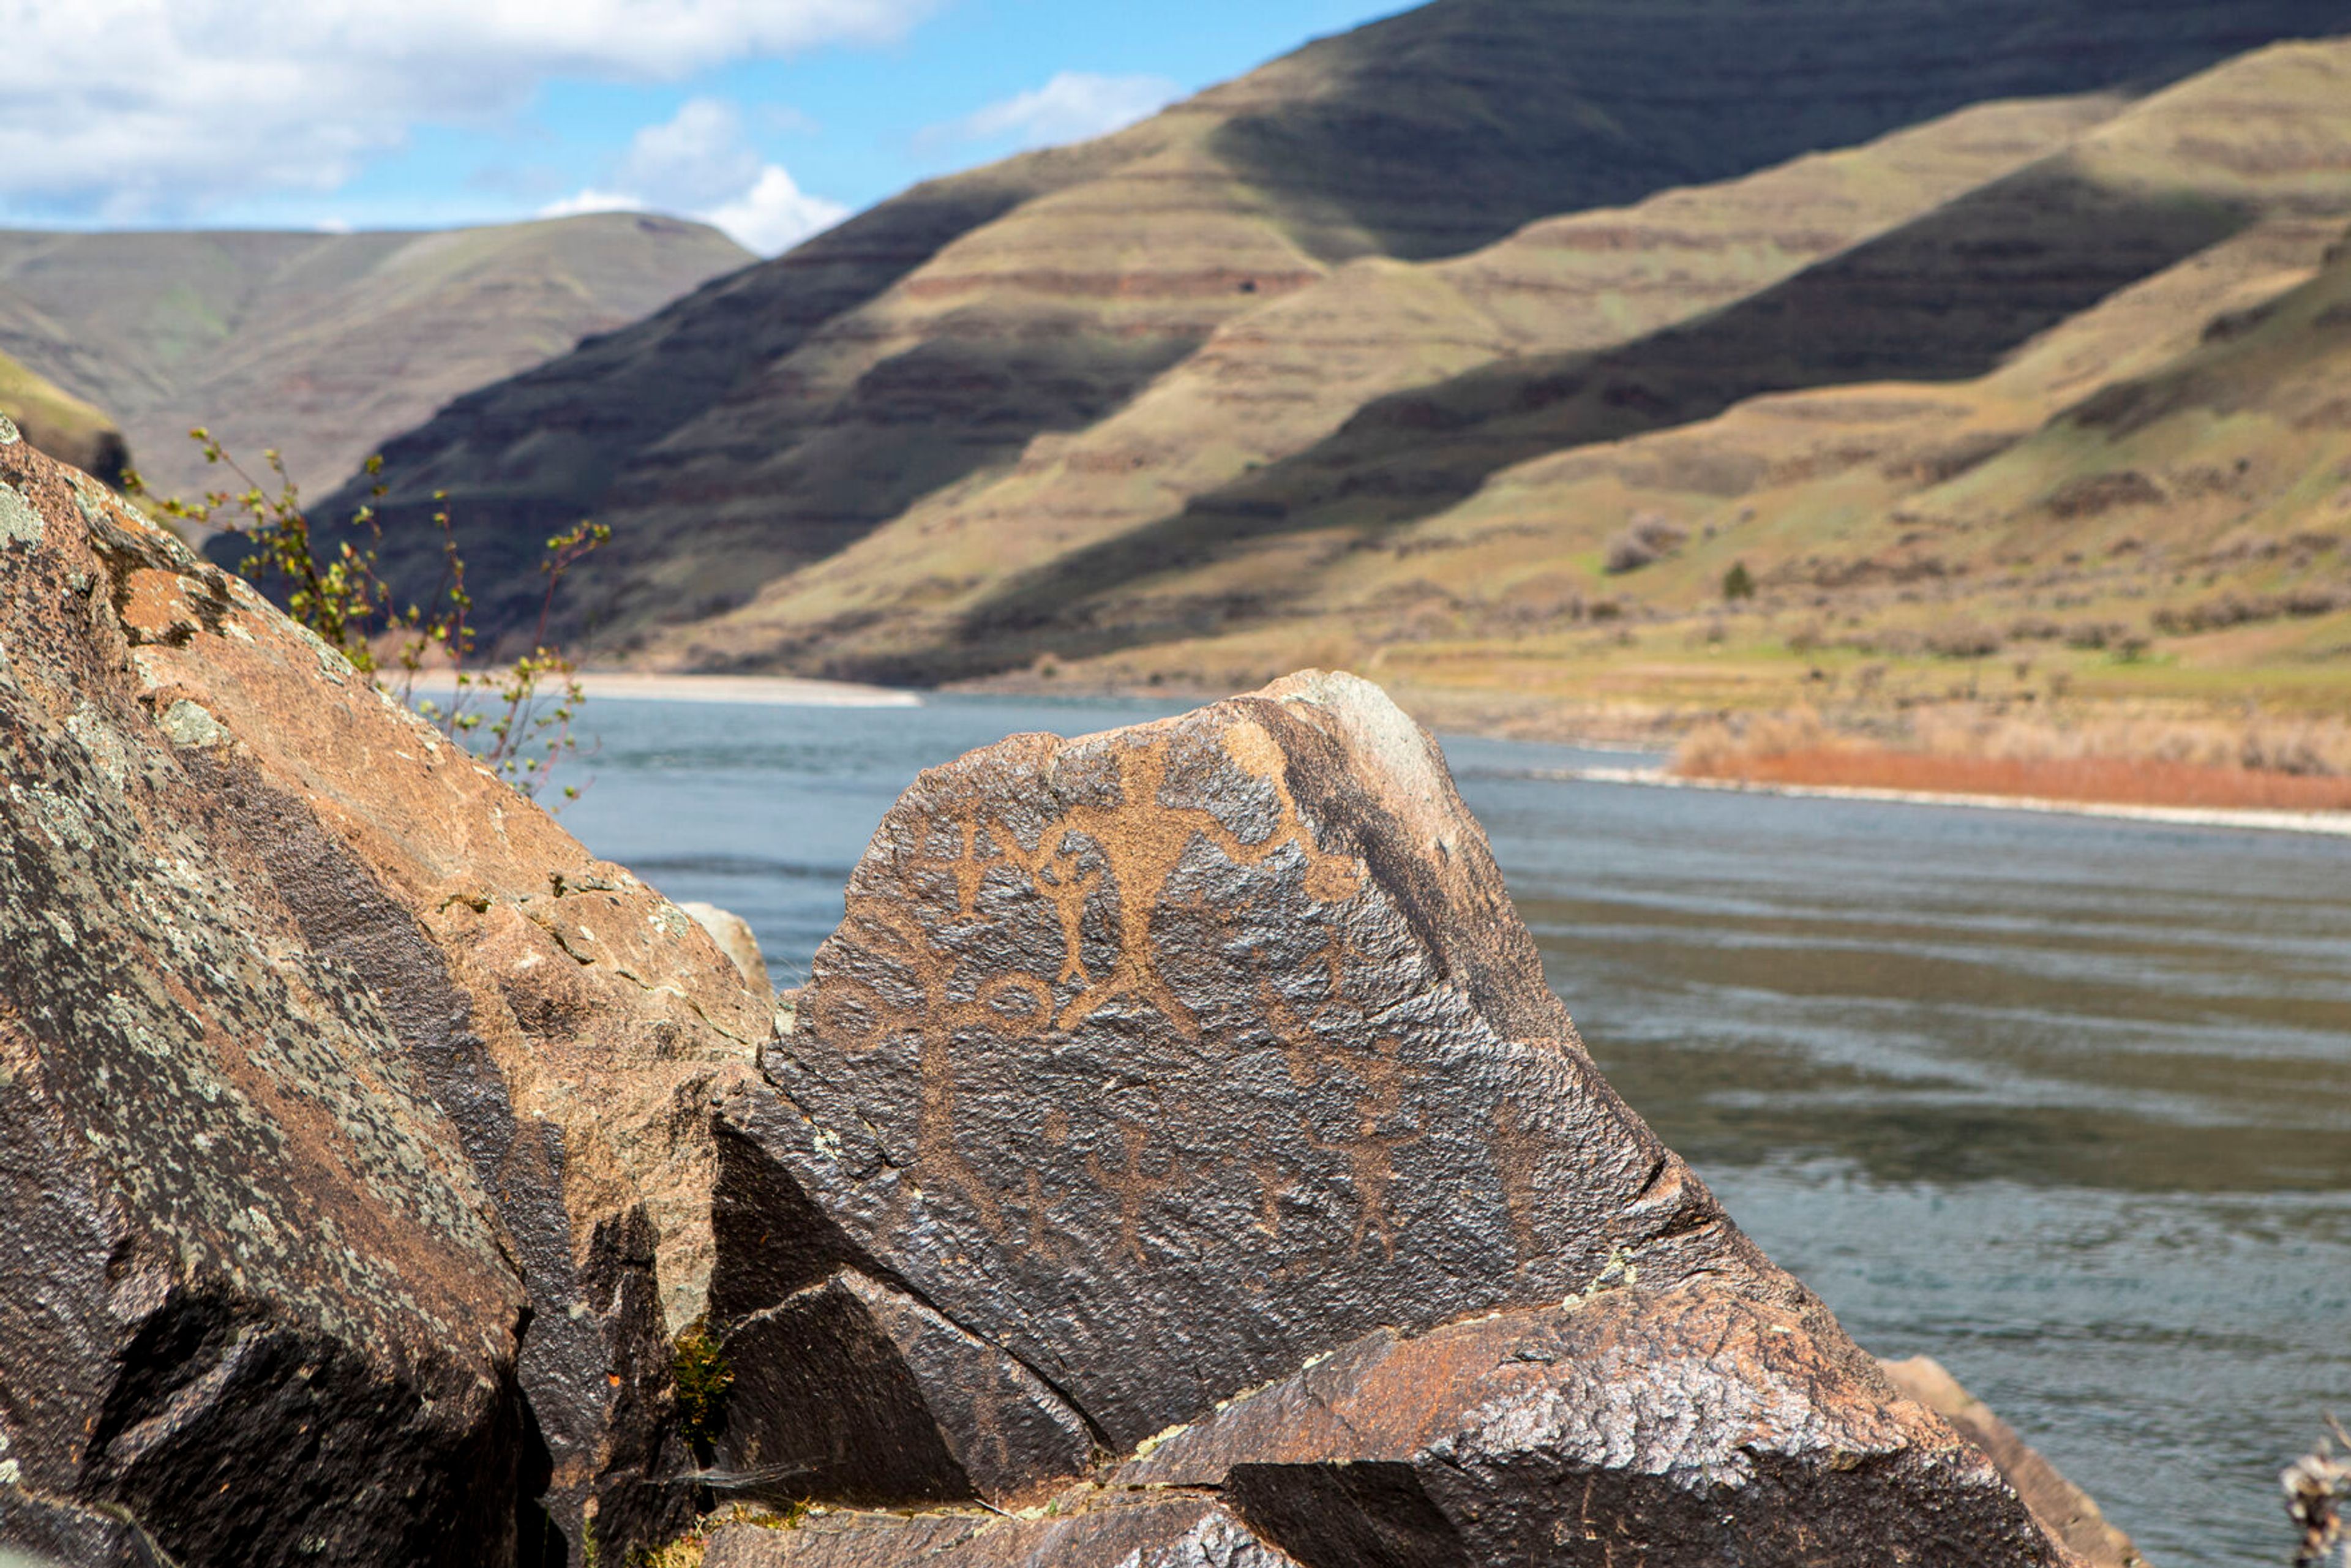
(1165, 1062)
(330, 1057)
(251, 1292)
(1689, 1425)
(1173, 1530)
(2070, 1514)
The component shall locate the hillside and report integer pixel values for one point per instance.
(2149, 499)
(770, 423)
(323, 345)
(60, 423)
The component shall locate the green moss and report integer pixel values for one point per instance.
(702, 1380)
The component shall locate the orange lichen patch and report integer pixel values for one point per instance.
(155, 606)
(2108, 780)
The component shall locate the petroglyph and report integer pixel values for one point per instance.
(1157, 1059)
(1109, 860)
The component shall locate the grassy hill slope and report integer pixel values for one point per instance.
(323, 345)
(2149, 499)
(756, 428)
(60, 423)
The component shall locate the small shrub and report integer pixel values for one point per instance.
(1738, 582)
(1647, 538)
(348, 606)
(1962, 639)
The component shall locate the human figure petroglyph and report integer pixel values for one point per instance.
(1518, 1160)
(1107, 854)
(1371, 1152)
(1132, 1186)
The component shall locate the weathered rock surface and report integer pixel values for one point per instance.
(37, 1533)
(850, 1389)
(1173, 1530)
(250, 1290)
(734, 938)
(368, 1121)
(1634, 1426)
(1151, 1067)
(2070, 1514)
(1166, 1058)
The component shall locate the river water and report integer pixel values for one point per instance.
(2064, 1103)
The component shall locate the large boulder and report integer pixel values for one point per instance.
(334, 1067)
(1153, 1067)
(251, 1291)
(1130, 1531)
(2070, 1514)
(1629, 1425)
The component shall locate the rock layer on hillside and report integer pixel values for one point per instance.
(323, 346)
(484, 1057)
(924, 345)
(1154, 1066)
(1278, 380)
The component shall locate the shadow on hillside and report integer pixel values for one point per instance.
(1460, 121)
(1943, 298)
(529, 456)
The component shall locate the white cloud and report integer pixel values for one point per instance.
(701, 164)
(775, 215)
(1072, 107)
(139, 109)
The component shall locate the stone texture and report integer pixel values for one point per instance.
(2069, 1513)
(251, 1291)
(734, 938)
(38, 1532)
(1170, 1061)
(557, 1027)
(1166, 1058)
(1630, 1425)
(1157, 1532)
(850, 1389)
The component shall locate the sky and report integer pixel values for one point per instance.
(772, 119)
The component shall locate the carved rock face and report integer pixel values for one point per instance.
(1166, 1059)
(1200, 1072)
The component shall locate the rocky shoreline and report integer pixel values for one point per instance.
(1176, 1157)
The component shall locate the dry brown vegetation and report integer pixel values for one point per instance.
(2302, 765)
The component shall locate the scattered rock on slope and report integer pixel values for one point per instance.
(404, 999)
(1154, 1066)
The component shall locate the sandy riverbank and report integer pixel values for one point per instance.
(2336, 823)
(770, 691)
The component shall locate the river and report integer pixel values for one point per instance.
(2061, 1102)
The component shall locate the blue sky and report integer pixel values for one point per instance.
(771, 117)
